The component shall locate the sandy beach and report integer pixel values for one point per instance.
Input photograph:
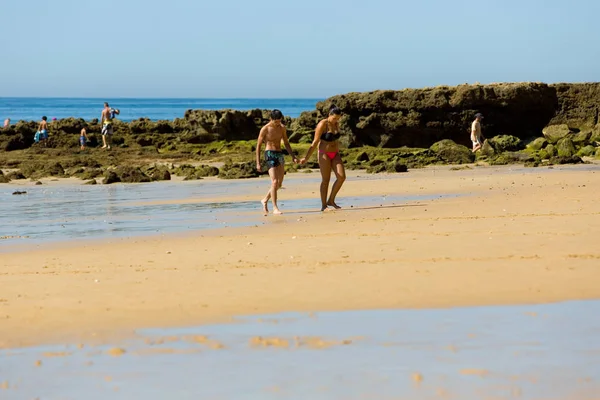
(510, 236)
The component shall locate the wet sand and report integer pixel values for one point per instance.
(514, 236)
(529, 352)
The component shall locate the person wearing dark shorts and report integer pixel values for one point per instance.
(272, 134)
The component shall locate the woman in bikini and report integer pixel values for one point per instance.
(327, 135)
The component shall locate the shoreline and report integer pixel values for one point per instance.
(518, 238)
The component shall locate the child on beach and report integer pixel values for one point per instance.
(83, 138)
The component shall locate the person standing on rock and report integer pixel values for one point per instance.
(43, 130)
(326, 139)
(272, 134)
(7, 122)
(83, 138)
(108, 114)
(476, 136)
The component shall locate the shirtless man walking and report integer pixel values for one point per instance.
(476, 136)
(272, 134)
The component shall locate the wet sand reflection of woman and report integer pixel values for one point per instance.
(326, 138)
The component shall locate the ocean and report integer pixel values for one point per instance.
(30, 108)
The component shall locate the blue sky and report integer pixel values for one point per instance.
(309, 48)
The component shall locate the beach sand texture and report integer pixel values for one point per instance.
(512, 236)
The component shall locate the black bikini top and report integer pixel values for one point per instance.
(330, 136)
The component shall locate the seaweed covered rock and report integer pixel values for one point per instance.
(565, 147)
(453, 153)
(160, 174)
(190, 172)
(581, 138)
(111, 177)
(547, 152)
(487, 150)
(587, 151)
(503, 143)
(512, 157)
(4, 178)
(566, 160)
(36, 170)
(15, 175)
(126, 174)
(238, 171)
(537, 144)
(554, 133)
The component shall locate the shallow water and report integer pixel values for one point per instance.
(526, 352)
(68, 212)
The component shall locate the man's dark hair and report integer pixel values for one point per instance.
(334, 110)
(276, 114)
(105, 104)
(44, 118)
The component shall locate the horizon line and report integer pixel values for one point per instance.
(163, 98)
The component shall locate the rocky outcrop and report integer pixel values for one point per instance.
(4, 178)
(385, 118)
(420, 117)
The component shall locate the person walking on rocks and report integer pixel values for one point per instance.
(476, 136)
(7, 122)
(108, 114)
(326, 139)
(272, 134)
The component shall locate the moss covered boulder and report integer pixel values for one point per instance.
(15, 175)
(4, 178)
(587, 151)
(566, 160)
(238, 171)
(487, 150)
(512, 157)
(537, 144)
(502, 143)
(565, 147)
(190, 172)
(126, 174)
(111, 177)
(581, 138)
(36, 170)
(453, 153)
(554, 133)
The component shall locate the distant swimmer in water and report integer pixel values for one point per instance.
(108, 114)
(272, 134)
(326, 138)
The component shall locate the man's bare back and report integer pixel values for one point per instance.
(105, 114)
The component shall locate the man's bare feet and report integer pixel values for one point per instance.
(276, 211)
(104, 146)
(265, 208)
(332, 204)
